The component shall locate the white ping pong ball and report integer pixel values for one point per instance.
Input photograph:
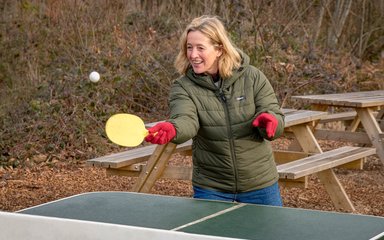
(94, 77)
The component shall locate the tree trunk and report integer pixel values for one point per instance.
(338, 20)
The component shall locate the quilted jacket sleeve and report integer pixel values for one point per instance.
(266, 101)
(183, 114)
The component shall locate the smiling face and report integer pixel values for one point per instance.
(202, 54)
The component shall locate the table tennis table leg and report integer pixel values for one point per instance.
(154, 167)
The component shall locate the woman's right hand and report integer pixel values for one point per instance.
(161, 133)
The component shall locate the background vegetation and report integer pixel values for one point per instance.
(50, 111)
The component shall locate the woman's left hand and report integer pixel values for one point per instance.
(267, 121)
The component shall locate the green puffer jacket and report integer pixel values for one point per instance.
(229, 154)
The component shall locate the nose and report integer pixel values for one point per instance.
(193, 53)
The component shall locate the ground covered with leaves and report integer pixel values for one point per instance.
(29, 186)
(52, 117)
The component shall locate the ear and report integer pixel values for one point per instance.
(219, 52)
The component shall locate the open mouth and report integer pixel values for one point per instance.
(196, 62)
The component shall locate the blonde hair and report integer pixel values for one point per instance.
(214, 29)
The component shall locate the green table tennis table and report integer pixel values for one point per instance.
(169, 217)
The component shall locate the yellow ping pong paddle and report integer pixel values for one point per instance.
(126, 130)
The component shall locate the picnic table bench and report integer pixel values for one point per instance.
(306, 157)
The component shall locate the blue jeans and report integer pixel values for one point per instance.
(265, 196)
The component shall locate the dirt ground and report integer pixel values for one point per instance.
(25, 187)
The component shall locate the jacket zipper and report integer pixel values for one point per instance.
(223, 99)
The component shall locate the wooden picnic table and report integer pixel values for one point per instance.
(369, 106)
(300, 122)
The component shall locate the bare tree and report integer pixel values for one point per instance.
(323, 6)
(371, 27)
(338, 19)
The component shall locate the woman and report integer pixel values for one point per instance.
(230, 110)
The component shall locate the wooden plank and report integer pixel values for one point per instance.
(282, 157)
(154, 168)
(353, 95)
(335, 190)
(297, 183)
(306, 139)
(358, 164)
(319, 107)
(124, 158)
(121, 172)
(288, 110)
(373, 130)
(321, 164)
(342, 136)
(302, 116)
(335, 117)
(338, 96)
(133, 156)
(178, 172)
(323, 161)
(295, 145)
(354, 124)
(353, 99)
(171, 172)
(185, 173)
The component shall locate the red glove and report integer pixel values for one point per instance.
(267, 121)
(161, 133)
